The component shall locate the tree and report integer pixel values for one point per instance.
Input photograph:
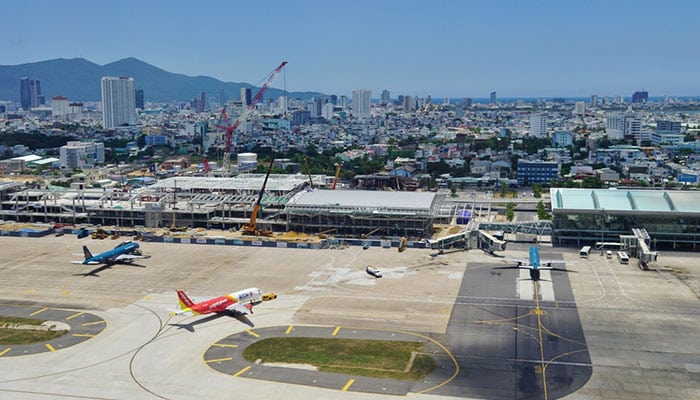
(510, 213)
(504, 187)
(537, 190)
(542, 211)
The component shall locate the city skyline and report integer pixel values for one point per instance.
(441, 49)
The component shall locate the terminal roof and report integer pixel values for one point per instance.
(629, 200)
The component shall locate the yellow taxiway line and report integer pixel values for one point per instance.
(289, 330)
(233, 346)
(335, 331)
(253, 334)
(39, 311)
(2, 353)
(75, 315)
(48, 346)
(94, 323)
(241, 371)
(347, 385)
(83, 335)
(219, 360)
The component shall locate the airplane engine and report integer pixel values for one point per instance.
(535, 274)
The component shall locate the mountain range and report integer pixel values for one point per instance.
(79, 80)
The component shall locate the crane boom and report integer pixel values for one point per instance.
(251, 228)
(253, 102)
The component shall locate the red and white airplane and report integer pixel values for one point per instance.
(241, 302)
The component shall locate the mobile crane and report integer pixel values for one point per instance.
(339, 166)
(308, 171)
(229, 129)
(251, 228)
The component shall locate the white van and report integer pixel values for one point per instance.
(608, 254)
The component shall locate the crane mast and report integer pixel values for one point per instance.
(229, 129)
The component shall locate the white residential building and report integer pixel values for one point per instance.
(118, 102)
(615, 126)
(59, 106)
(81, 154)
(538, 125)
(361, 102)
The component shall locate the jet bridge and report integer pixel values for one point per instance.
(469, 240)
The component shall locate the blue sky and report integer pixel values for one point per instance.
(442, 48)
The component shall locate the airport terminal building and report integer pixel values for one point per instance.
(586, 216)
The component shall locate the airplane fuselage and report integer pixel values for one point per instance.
(251, 296)
(109, 255)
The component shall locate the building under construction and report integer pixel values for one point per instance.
(288, 204)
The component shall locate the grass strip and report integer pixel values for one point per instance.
(372, 358)
(10, 335)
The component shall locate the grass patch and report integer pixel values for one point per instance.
(373, 358)
(4, 321)
(11, 335)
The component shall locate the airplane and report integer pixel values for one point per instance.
(126, 252)
(241, 302)
(535, 265)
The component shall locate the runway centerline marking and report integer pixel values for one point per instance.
(48, 346)
(335, 331)
(39, 311)
(539, 329)
(242, 371)
(2, 353)
(347, 385)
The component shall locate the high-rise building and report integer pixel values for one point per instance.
(118, 102)
(139, 99)
(494, 99)
(334, 99)
(538, 125)
(202, 102)
(619, 125)
(361, 103)
(615, 126)
(579, 108)
(386, 97)
(30, 93)
(408, 103)
(594, 100)
(222, 98)
(246, 96)
(640, 97)
(59, 106)
(467, 102)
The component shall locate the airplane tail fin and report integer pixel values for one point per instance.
(184, 300)
(86, 252)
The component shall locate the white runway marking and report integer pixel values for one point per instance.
(525, 288)
(546, 287)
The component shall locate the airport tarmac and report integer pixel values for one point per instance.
(638, 327)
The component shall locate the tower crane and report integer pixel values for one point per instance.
(229, 129)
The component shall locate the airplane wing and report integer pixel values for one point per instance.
(86, 263)
(128, 257)
(238, 307)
